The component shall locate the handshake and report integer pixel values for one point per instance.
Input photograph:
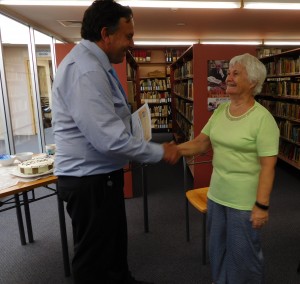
(171, 153)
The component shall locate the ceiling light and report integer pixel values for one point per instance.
(165, 43)
(84, 3)
(132, 3)
(181, 4)
(243, 42)
(281, 43)
(271, 4)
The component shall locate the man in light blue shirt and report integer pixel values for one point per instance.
(92, 131)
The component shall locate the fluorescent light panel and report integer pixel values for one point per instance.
(182, 4)
(83, 3)
(281, 43)
(167, 43)
(134, 3)
(272, 5)
(240, 42)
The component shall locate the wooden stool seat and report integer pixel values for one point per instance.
(198, 198)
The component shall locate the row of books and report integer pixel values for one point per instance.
(185, 71)
(161, 123)
(142, 55)
(290, 151)
(173, 54)
(185, 108)
(282, 109)
(186, 128)
(291, 111)
(290, 130)
(160, 110)
(184, 89)
(153, 84)
(283, 87)
(155, 97)
(264, 52)
(284, 66)
(156, 101)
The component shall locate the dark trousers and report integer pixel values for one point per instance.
(97, 209)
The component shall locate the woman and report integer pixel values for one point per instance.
(244, 137)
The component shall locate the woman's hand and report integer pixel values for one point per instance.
(259, 217)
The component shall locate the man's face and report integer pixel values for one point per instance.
(121, 41)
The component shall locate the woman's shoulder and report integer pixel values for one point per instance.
(260, 108)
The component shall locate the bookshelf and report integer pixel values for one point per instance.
(154, 84)
(190, 97)
(281, 96)
(132, 74)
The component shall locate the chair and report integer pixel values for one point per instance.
(198, 198)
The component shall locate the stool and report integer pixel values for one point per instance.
(198, 198)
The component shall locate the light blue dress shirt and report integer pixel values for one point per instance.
(91, 118)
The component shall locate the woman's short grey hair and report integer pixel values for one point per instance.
(256, 70)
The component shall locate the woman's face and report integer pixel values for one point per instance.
(237, 81)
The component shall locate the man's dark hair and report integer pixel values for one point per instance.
(103, 13)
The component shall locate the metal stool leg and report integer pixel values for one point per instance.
(187, 220)
(145, 198)
(204, 240)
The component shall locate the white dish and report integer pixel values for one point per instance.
(8, 161)
(18, 174)
(24, 156)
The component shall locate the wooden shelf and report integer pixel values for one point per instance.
(281, 96)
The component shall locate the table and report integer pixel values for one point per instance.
(22, 188)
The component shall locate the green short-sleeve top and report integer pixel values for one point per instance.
(237, 143)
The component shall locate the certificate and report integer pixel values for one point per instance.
(141, 123)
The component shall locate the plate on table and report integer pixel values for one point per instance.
(18, 174)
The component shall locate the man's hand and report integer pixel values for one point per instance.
(171, 153)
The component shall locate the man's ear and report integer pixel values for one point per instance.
(104, 34)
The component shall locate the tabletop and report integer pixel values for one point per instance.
(25, 186)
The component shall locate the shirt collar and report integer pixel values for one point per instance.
(98, 52)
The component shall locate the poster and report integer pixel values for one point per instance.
(216, 85)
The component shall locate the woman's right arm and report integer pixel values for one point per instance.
(199, 145)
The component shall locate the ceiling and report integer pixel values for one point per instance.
(168, 24)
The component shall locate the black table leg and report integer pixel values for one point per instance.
(63, 234)
(28, 217)
(145, 198)
(20, 220)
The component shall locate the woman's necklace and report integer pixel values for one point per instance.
(239, 111)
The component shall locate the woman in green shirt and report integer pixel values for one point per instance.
(244, 137)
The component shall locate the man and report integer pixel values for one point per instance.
(92, 130)
(218, 72)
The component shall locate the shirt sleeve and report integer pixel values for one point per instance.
(268, 137)
(101, 125)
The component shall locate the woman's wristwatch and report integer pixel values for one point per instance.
(261, 206)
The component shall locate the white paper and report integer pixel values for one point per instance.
(141, 123)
